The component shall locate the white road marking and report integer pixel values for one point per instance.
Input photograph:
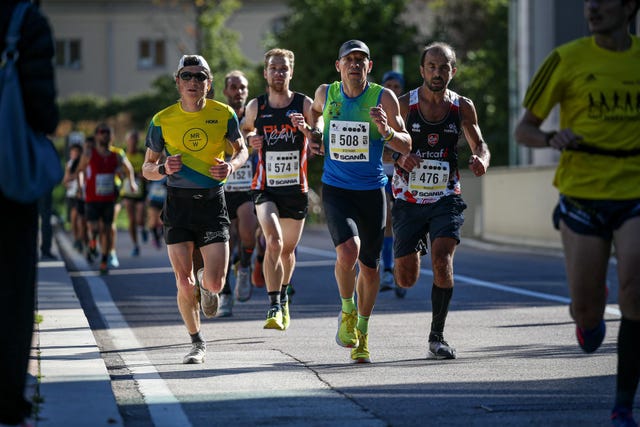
(164, 408)
(610, 309)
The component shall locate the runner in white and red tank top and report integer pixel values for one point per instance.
(426, 183)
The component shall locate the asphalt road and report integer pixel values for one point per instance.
(518, 361)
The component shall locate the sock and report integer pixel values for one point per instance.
(196, 337)
(105, 258)
(245, 256)
(439, 308)
(284, 297)
(274, 298)
(363, 324)
(387, 253)
(348, 304)
(628, 362)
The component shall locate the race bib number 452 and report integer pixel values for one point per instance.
(349, 141)
(240, 180)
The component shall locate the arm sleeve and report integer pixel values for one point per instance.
(546, 87)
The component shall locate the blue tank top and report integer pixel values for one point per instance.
(352, 144)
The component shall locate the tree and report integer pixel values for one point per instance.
(315, 30)
(482, 51)
(218, 44)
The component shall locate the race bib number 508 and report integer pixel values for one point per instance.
(349, 141)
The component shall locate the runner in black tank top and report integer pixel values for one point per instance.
(273, 124)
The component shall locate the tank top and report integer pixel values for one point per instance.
(282, 161)
(240, 180)
(100, 177)
(436, 143)
(352, 144)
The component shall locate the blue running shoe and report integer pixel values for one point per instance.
(622, 417)
(590, 340)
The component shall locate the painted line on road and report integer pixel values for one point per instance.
(613, 310)
(164, 408)
(122, 271)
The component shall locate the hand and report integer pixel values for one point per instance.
(477, 166)
(409, 162)
(379, 116)
(256, 142)
(222, 170)
(297, 119)
(563, 139)
(173, 164)
(134, 186)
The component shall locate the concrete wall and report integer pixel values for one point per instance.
(511, 205)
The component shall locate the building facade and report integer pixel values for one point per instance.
(112, 48)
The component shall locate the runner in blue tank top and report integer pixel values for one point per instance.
(357, 119)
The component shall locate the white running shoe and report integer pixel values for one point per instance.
(209, 301)
(196, 355)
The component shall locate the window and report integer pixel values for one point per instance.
(151, 54)
(68, 53)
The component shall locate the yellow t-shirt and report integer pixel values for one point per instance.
(200, 137)
(599, 95)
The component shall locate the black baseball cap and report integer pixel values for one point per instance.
(353, 46)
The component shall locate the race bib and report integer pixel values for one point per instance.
(240, 179)
(429, 179)
(105, 184)
(349, 141)
(283, 168)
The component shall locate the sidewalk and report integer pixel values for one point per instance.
(74, 387)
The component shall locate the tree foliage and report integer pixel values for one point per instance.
(314, 31)
(482, 51)
(219, 44)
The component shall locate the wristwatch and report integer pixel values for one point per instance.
(395, 156)
(162, 170)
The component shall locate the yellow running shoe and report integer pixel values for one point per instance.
(360, 354)
(274, 319)
(346, 335)
(286, 317)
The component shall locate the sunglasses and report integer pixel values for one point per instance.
(103, 131)
(199, 76)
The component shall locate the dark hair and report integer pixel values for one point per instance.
(234, 73)
(445, 48)
(102, 125)
(191, 60)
